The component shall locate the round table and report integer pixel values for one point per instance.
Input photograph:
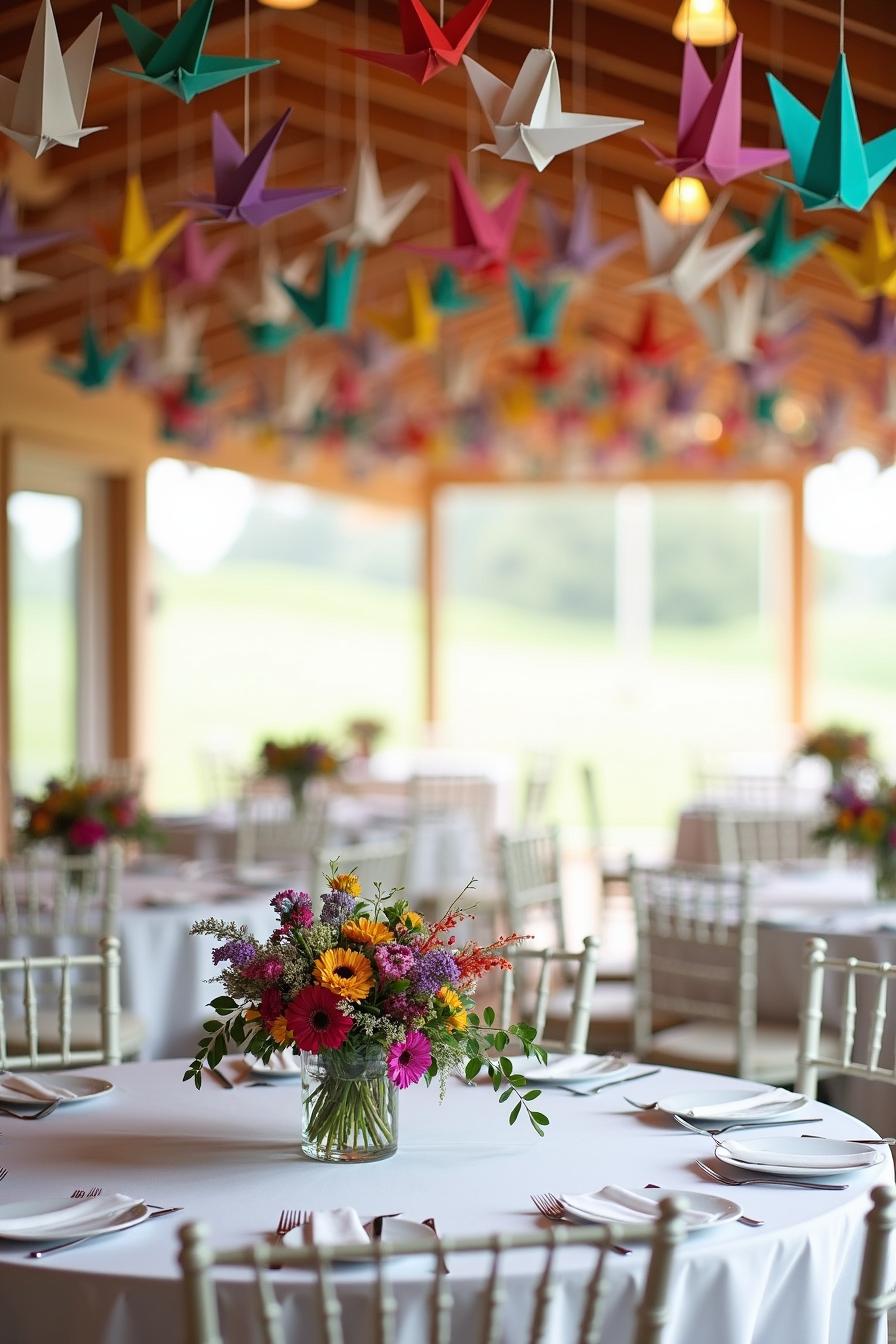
(231, 1158)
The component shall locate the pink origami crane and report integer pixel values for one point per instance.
(428, 49)
(192, 265)
(482, 238)
(709, 124)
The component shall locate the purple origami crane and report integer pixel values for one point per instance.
(16, 242)
(877, 335)
(572, 244)
(240, 193)
(709, 124)
(192, 265)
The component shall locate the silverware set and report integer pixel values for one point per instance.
(751, 1124)
(550, 1207)
(787, 1184)
(92, 1193)
(31, 1115)
(613, 1082)
(747, 1222)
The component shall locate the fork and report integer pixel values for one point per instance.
(888, 1142)
(4, 1171)
(551, 1208)
(614, 1082)
(754, 1124)
(289, 1218)
(32, 1115)
(65, 1245)
(92, 1193)
(747, 1222)
(782, 1185)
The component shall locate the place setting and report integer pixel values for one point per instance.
(54, 1225)
(28, 1097)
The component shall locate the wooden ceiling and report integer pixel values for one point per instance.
(616, 57)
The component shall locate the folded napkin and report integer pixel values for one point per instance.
(808, 1160)
(567, 1068)
(283, 1061)
(615, 1204)
(771, 1096)
(33, 1090)
(68, 1217)
(336, 1227)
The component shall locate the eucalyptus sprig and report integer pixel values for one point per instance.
(229, 1026)
(502, 1075)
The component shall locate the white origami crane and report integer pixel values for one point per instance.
(528, 121)
(364, 216)
(677, 257)
(730, 327)
(47, 105)
(13, 281)
(181, 338)
(303, 390)
(270, 303)
(781, 317)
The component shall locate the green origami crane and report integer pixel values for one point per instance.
(269, 338)
(447, 296)
(832, 166)
(95, 368)
(777, 251)
(539, 307)
(176, 62)
(329, 308)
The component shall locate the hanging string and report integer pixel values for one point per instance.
(362, 83)
(777, 63)
(551, 26)
(133, 121)
(842, 24)
(246, 80)
(473, 119)
(579, 74)
(441, 13)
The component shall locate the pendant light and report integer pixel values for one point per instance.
(685, 201)
(706, 23)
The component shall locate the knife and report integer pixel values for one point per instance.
(219, 1076)
(79, 1241)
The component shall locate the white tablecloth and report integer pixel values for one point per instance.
(231, 1159)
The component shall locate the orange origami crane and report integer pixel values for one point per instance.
(428, 49)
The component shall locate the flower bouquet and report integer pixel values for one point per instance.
(865, 820)
(82, 812)
(365, 733)
(298, 762)
(840, 747)
(375, 999)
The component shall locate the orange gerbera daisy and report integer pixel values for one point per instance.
(346, 973)
(347, 882)
(279, 1030)
(370, 932)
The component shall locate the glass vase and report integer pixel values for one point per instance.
(885, 874)
(349, 1107)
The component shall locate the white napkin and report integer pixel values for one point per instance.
(775, 1096)
(808, 1160)
(573, 1067)
(71, 1214)
(283, 1061)
(615, 1204)
(336, 1227)
(34, 1090)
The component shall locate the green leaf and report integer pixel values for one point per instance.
(224, 1004)
(537, 1128)
(541, 1119)
(531, 1096)
(473, 1019)
(515, 1113)
(237, 1031)
(508, 1092)
(502, 1040)
(506, 1066)
(497, 1080)
(197, 1079)
(488, 1016)
(474, 1067)
(212, 1026)
(189, 1074)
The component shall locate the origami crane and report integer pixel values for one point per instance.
(181, 341)
(447, 296)
(709, 124)
(365, 217)
(13, 281)
(677, 256)
(330, 306)
(148, 314)
(539, 308)
(871, 270)
(573, 247)
(877, 335)
(175, 62)
(428, 49)
(192, 265)
(270, 338)
(304, 387)
(418, 325)
(138, 245)
(777, 251)
(731, 326)
(645, 346)
(95, 368)
(528, 121)
(482, 237)
(240, 193)
(16, 242)
(47, 105)
(832, 166)
(371, 351)
(682, 394)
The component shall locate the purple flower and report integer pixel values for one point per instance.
(294, 909)
(844, 794)
(265, 968)
(238, 952)
(401, 1008)
(393, 961)
(337, 907)
(434, 969)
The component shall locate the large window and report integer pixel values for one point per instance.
(277, 610)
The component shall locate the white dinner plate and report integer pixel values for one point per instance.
(682, 1102)
(601, 1066)
(723, 1210)
(396, 1232)
(262, 1070)
(85, 1087)
(823, 1147)
(135, 1213)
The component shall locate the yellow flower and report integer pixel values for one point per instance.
(252, 1015)
(347, 882)
(368, 931)
(346, 973)
(846, 821)
(458, 1019)
(872, 824)
(280, 1032)
(411, 920)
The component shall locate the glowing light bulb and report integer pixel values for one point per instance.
(288, 4)
(708, 427)
(789, 415)
(707, 23)
(685, 201)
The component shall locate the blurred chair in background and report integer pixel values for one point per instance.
(531, 993)
(381, 861)
(270, 832)
(767, 836)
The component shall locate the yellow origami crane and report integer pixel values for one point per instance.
(871, 269)
(139, 245)
(418, 325)
(147, 315)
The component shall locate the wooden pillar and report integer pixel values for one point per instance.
(126, 608)
(431, 603)
(800, 589)
(5, 694)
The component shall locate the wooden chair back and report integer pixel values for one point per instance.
(17, 975)
(270, 831)
(877, 1284)
(767, 836)
(867, 992)
(530, 869)
(44, 892)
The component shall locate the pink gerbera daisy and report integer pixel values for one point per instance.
(409, 1059)
(316, 1019)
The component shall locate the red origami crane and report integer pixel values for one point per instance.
(429, 49)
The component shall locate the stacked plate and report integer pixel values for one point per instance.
(782, 1155)
(571, 1070)
(744, 1105)
(39, 1220)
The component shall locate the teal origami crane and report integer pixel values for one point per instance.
(777, 251)
(447, 296)
(832, 165)
(539, 307)
(330, 306)
(270, 338)
(175, 62)
(96, 367)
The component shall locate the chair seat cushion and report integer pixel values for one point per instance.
(85, 1032)
(711, 1046)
